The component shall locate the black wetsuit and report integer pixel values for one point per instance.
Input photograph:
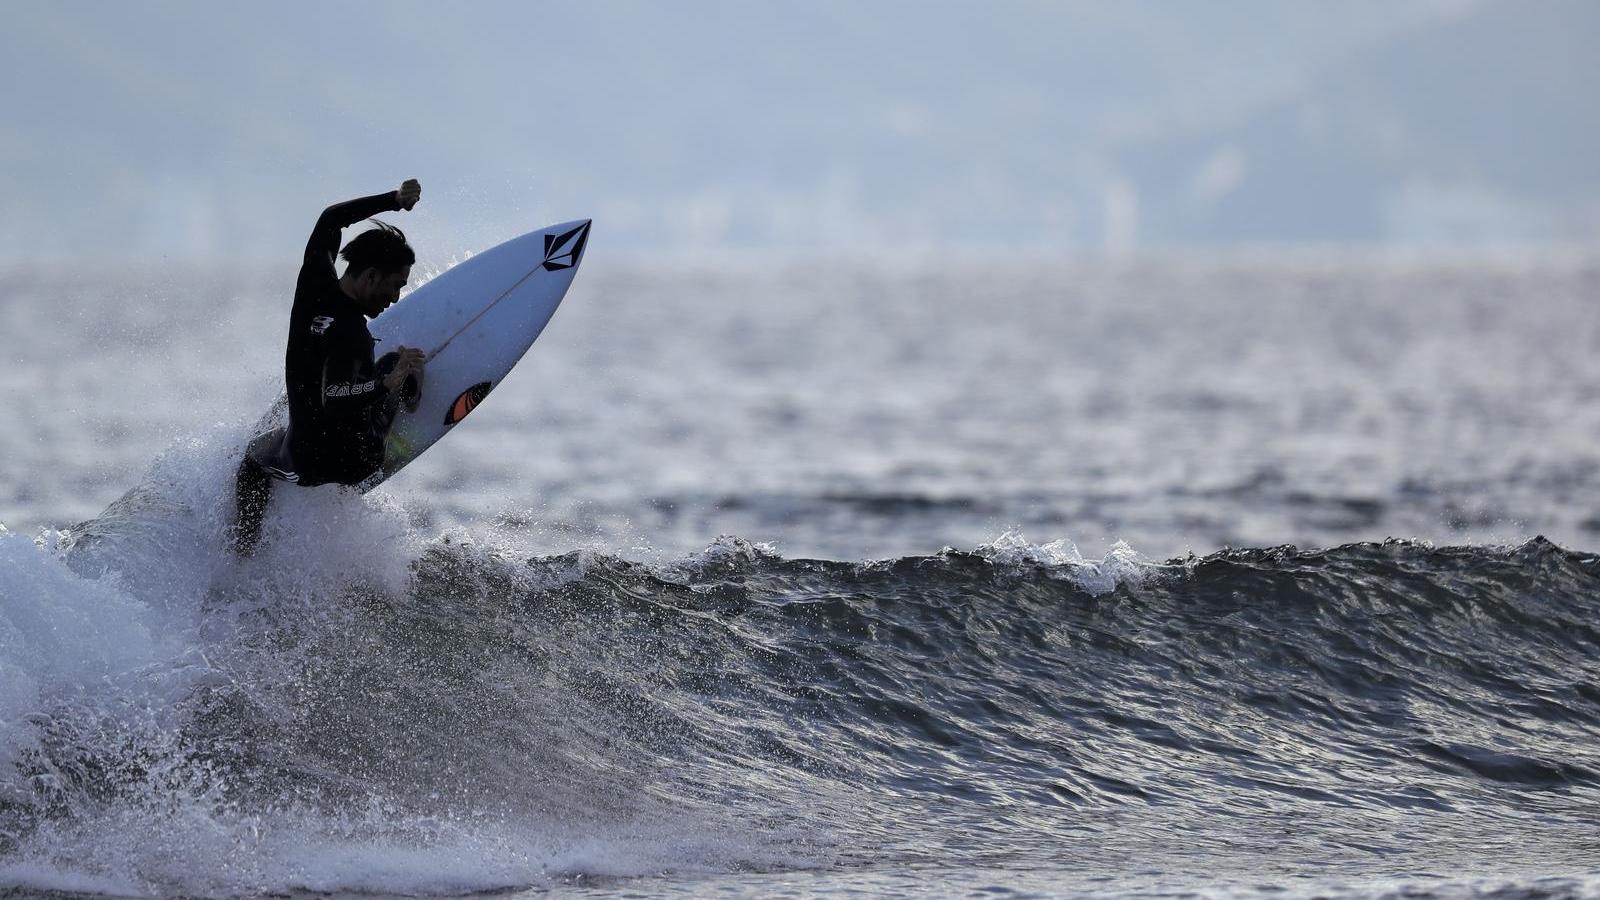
(339, 409)
(339, 412)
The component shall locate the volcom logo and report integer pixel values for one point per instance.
(561, 251)
(320, 324)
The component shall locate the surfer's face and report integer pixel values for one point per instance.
(379, 291)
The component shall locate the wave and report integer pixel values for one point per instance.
(365, 707)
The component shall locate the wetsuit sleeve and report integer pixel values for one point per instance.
(346, 393)
(324, 242)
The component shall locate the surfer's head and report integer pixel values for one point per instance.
(380, 265)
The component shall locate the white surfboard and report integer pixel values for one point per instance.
(474, 321)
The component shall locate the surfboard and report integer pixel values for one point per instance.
(475, 321)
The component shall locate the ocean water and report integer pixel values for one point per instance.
(1179, 577)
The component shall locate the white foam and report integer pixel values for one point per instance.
(319, 539)
(42, 875)
(1061, 559)
(726, 551)
(71, 642)
(196, 846)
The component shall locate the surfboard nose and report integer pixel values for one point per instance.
(563, 249)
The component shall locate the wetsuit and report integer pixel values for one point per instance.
(339, 410)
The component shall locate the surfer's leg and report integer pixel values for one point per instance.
(252, 489)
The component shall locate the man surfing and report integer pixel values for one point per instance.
(341, 403)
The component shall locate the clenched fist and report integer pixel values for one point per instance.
(409, 193)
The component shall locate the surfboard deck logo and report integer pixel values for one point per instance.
(561, 251)
(467, 402)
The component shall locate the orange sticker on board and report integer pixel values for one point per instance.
(467, 402)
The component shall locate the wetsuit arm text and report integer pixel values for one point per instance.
(345, 398)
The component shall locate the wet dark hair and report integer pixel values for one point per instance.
(383, 248)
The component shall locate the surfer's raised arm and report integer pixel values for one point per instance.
(324, 242)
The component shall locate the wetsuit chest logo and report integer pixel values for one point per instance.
(320, 324)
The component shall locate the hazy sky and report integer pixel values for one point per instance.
(178, 131)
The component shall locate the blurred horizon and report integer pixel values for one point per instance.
(185, 132)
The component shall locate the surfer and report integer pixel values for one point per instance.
(341, 403)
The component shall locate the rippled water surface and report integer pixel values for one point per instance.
(1172, 578)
